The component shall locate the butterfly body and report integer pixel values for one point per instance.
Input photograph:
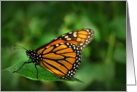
(62, 56)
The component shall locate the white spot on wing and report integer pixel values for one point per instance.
(57, 44)
(70, 32)
(87, 30)
(81, 43)
(66, 36)
(75, 34)
(63, 35)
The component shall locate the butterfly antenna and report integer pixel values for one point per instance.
(19, 47)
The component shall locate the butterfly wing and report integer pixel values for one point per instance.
(80, 38)
(62, 56)
(61, 59)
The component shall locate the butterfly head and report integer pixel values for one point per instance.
(32, 54)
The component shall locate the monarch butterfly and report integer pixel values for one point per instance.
(61, 56)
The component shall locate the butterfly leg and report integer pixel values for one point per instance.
(37, 70)
(21, 66)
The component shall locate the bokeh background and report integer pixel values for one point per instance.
(33, 23)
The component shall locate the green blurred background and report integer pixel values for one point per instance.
(32, 24)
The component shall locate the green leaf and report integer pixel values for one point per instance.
(29, 71)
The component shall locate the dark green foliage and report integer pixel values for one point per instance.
(32, 24)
